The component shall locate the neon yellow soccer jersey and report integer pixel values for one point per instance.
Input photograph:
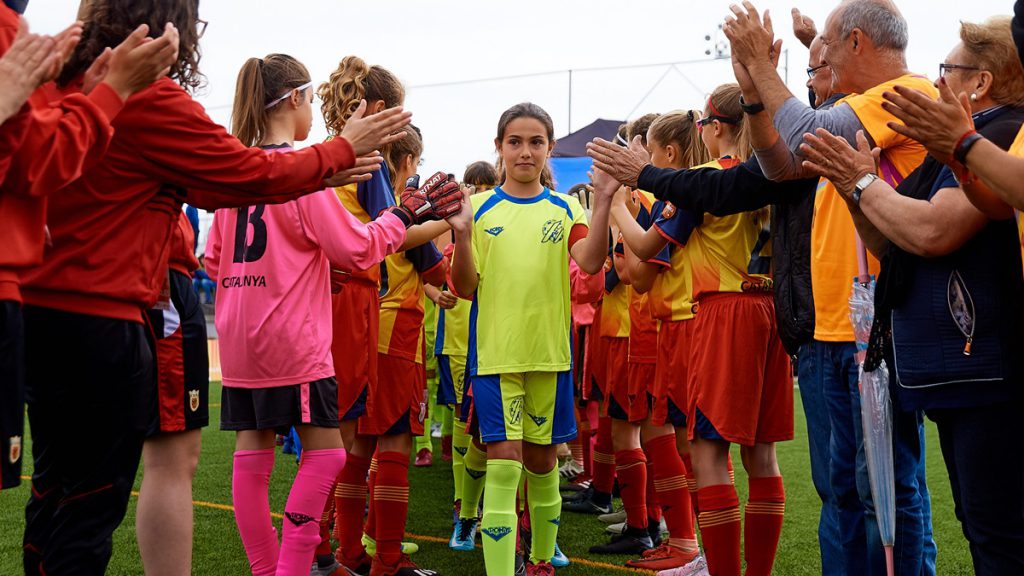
(520, 318)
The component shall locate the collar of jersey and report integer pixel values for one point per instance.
(516, 200)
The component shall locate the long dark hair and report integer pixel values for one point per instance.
(109, 22)
(527, 110)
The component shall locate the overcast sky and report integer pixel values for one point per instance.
(459, 42)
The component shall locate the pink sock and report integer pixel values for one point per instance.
(250, 486)
(301, 533)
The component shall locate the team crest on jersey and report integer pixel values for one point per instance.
(553, 231)
(14, 454)
(669, 210)
(495, 230)
(515, 411)
(608, 264)
(538, 420)
(193, 400)
(498, 532)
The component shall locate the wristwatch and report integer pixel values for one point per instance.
(858, 188)
(751, 109)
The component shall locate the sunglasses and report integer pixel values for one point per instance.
(289, 93)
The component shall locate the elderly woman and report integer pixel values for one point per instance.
(950, 300)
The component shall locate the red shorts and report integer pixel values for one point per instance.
(740, 375)
(356, 311)
(616, 377)
(672, 373)
(183, 365)
(641, 384)
(397, 402)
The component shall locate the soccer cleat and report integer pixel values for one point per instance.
(358, 567)
(697, 567)
(332, 569)
(560, 560)
(586, 506)
(663, 557)
(371, 546)
(464, 535)
(424, 458)
(619, 515)
(570, 470)
(632, 542)
(405, 567)
(577, 484)
(540, 569)
(584, 494)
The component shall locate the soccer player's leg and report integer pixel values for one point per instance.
(498, 407)
(550, 421)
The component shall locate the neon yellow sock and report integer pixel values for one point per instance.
(447, 420)
(473, 480)
(545, 513)
(499, 522)
(460, 447)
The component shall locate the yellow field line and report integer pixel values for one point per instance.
(419, 537)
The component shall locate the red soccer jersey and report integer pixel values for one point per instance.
(111, 228)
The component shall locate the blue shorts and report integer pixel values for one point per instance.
(533, 406)
(452, 379)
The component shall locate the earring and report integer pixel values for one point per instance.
(974, 97)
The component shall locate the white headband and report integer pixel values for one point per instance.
(299, 88)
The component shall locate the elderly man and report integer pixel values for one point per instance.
(864, 43)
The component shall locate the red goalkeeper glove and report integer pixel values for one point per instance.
(438, 198)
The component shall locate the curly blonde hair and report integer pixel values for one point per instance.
(352, 81)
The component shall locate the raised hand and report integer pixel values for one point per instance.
(803, 28)
(937, 124)
(362, 171)
(622, 164)
(139, 61)
(750, 39)
(439, 198)
(462, 220)
(833, 158)
(65, 41)
(22, 69)
(369, 133)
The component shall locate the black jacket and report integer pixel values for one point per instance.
(742, 189)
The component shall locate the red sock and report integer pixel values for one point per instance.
(604, 458)
(720, 528)
(653, 506)
(631, 468)
(763, 524)
(370, 528)
(350, 505)
(576, 447)
(691, 482)
(670, 482)
(325, 526)
(732, 473)
(587, 444)
(391, 501)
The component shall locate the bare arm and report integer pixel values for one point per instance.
(463, 271)
(641, 274)
(645, 244)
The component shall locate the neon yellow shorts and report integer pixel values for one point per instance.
(533, 406)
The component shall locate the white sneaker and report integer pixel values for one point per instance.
(619, 515)
(697, 567)
(570, 469)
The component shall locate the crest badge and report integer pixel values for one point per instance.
(15, 452)
(669, 210)
(193, 400)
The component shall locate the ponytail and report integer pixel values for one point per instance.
(262, 81)
(679, 128)
(411, 145)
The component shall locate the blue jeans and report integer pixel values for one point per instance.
(855, 546)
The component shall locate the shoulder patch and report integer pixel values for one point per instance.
(669, 210)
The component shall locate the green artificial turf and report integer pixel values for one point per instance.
(218, 550)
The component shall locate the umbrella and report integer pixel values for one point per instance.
(875, 410)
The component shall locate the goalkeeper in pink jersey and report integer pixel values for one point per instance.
(273, 315)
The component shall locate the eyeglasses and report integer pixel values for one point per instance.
(289, 93)
(201, 26)
(814, 70)
(943, 68)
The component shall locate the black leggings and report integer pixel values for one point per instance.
(982, 450)
(91, 396)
